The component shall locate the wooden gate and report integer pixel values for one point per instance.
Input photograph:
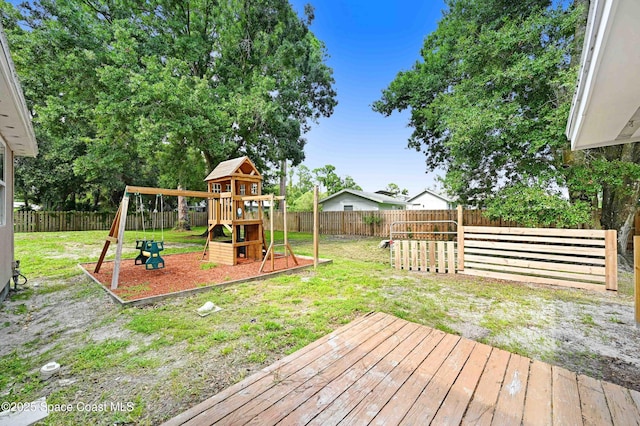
(431, 256)
(425, 245)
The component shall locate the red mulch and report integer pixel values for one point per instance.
(181, 272)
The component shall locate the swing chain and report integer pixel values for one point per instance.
(161, 218)
(155, 215)
(140, 212)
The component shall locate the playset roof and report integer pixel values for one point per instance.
(226, 169)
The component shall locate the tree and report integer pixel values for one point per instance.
(395, 190)
(143, 87)
(333, 183)
(489, 103)
(304, 183)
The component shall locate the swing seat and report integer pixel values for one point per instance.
(140, 245)
(150, 254)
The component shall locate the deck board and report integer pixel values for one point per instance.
(595, 411)
(566, 399)
(537, 406)
(457, 400)
(375, 400)
(482, 405)
(510, 406)
(380, 369)
(338, 409)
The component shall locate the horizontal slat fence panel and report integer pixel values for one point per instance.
(569, 257)
(39, 221)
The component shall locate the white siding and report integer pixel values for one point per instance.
(6, 228)
(428, 201)
(337, 204)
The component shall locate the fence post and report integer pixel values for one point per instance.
(611, 259)
(460, 238)
(636, 276)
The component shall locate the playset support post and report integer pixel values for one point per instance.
(121, 226)
(315, 227)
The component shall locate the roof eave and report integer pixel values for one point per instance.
(15, 122)
(606, 104)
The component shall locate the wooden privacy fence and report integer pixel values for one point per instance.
(91, 221)
(568, 257)
(377, 223)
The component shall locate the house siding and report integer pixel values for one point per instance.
(359, 204)
(6, 230)
(337, 204)
(428, 201)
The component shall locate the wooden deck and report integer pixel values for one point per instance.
(383, 370)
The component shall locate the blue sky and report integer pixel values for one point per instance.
(368, 43)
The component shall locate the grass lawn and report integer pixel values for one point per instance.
(162, 359)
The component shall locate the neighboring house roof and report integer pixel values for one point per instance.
(378, 198)
(606, 105)
(15, 119)
(383, 192)
(391, 194)
(428, 191)
(235, 165)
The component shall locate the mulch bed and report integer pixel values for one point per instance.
(181, 272)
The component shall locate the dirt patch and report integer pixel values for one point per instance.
(182, 272)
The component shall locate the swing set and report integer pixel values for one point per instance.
(150, 249)
(232, 184)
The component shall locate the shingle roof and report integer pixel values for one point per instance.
(227, 168)
(378, 198)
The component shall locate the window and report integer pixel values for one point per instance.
(348, 208)
(254, 189)
(216, 188)
(3, 185)
(243, 189)
(227, 188)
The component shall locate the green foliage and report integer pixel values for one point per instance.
(534, 206)
(300, 192)
(304, 203)
(372, 220)
(489, 103)
(489, 100)
(157, 93)
(329, 179)
(395, 190)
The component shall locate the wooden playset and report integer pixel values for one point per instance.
(235, 201)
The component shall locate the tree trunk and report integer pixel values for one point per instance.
(218, 231)
(183, 223)
(620, 201)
